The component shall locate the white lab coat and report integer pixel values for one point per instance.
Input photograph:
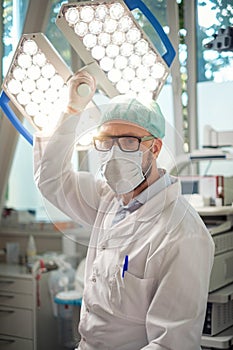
(161, 301)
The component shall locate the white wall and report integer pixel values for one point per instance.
(215, 106)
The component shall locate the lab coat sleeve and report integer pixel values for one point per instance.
(75, 193)
(176, 314)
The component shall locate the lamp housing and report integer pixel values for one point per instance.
(114, 48)
(36, 81)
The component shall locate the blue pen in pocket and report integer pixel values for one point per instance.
(125, 266)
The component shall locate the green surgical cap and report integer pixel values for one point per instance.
(148, 116)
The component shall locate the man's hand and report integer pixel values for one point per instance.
(77, 103)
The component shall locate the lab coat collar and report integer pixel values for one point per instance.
(159, 202)
(164, 181)
(126, 231)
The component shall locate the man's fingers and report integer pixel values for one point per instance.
(83, 77)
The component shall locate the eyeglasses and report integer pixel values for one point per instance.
(125, 143)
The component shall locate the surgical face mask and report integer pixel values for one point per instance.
(122, 170)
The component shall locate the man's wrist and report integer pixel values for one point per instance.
(71, 110)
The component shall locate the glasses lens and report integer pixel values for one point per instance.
(128, 144)
(103, 144)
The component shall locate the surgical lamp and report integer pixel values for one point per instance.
(114, 47)
(35, 84)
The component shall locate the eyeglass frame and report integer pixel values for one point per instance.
(116, 139)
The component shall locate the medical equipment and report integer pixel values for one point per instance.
(219, 313)
(185, 163)
(207, 163)
(219, 221)
(36, 86)
(68, 304)
(216, 139)
(36, 83)
(114, 47)
(215, 189)
(223, 40)
(224, 340)
(219, 317)
(83, 90)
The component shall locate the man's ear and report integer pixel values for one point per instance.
(156, 148)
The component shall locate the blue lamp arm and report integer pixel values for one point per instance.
(4, 99)
(170, 54)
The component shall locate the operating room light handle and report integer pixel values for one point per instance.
(83, 90)
(170, 52)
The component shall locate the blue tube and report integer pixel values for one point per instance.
(4, 99)
(170, 54)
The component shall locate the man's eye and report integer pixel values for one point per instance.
(129, 141)
(105, 142)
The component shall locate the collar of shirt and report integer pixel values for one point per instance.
(157, 186)
(151, 191)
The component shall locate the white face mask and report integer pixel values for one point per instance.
(122, 170)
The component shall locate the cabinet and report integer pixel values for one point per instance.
(213, 184)
(24, 325)
(218, 326)
(17, 309)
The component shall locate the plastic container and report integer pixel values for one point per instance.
(68, 304)
(60, 280)
(31, 250)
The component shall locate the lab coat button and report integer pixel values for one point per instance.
(93, 279)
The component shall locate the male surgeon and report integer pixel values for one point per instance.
(150, 255)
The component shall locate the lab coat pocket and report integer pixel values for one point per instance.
(131, 296)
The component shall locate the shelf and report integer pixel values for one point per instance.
(209, 211)
(221, 341)
(14, 271)
(223, 295)
(15, 231)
